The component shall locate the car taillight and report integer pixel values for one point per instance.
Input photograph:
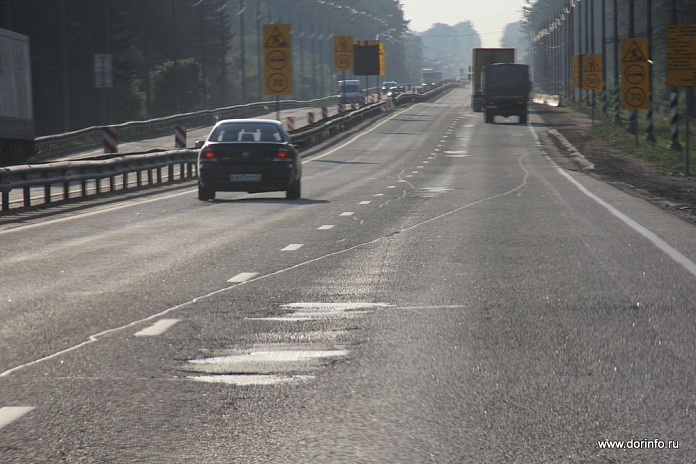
(282, 155)
(491, 102)
(520, 103)
(208, 155)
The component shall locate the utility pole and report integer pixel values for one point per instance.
(177, 94)
(259, 53)
(223, 48)
(108, 91)
(242, 7)
(204, 74)
(632, 125)
(605, 111)
(649, 136)
(66, 76)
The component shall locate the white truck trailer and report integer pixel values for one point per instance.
(16, 105)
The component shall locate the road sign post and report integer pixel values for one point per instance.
(635, 76)
(277, 55)
(343, 52)
(592, 76)
(343, 58)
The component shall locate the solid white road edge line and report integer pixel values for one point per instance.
(685, 262)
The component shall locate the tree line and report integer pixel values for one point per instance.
(175, 56)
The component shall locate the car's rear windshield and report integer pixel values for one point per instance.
(246, 132)
(354, 88)
(507, 76)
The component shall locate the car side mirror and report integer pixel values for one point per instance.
(300, 144)
(199, 144)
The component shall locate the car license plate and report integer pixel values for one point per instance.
(245, 178)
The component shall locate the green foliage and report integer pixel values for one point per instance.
(165, 98)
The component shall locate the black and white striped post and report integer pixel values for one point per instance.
(674, 101)
(617, 88)
(649, 136)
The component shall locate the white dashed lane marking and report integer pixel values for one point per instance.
(365, 202)
(158, 328)
(326, 227)
(391, 187)
(243, 277)
(11, 414)
(347, 213)
(379, 194)
(293, 247)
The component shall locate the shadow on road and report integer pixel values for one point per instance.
(280, 200)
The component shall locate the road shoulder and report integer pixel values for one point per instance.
(638, 177)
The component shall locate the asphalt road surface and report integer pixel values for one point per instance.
(446, 291)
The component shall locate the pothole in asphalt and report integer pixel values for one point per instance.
(308, 311)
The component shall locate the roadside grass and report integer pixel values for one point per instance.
(616, 136)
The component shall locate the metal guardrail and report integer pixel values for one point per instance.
(92, 136)
(67, 173)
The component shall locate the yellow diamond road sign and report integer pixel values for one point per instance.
(277, 57)
(635, 74)
(343, 52)
(592, 72)
(681, 56)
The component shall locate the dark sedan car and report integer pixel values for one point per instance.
(248, 155)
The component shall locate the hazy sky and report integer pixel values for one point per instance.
(489, 17)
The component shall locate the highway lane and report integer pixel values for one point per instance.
(482, 307)
(152, 143)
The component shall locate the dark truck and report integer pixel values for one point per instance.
(506, 89)
(16, 107)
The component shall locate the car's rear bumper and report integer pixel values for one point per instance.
(276, 177)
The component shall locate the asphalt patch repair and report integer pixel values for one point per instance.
(676, 193)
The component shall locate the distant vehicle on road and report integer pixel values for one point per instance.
(430, 77)
(481, 58)
(349, 91)
(16, 104)
(506, 88)
(388, 85)
(248, 155)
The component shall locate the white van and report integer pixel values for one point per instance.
(349, 91)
